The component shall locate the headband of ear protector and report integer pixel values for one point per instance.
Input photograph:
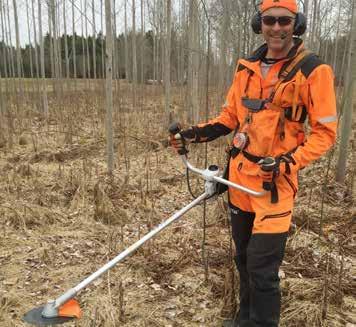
(300, 24)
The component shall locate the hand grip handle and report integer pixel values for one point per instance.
(268, 164)
(173, 129)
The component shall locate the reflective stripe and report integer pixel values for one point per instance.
(328, 119)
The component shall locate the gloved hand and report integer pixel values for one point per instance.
(271, 168)
(180, 138)
(178, 142)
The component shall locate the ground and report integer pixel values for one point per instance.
(63, 217)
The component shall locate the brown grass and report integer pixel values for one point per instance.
(62, 218)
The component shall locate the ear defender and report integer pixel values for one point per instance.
(256, 23)
(300, 24)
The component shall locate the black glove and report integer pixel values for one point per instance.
(179, 140)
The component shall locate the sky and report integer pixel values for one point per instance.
(78, 5)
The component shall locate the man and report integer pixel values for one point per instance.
(272, 94)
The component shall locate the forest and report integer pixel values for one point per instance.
(88, 90)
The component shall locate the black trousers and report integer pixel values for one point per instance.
(258, 258)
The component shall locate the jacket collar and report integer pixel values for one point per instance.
(253, 62)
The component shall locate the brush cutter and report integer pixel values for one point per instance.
(65, 308)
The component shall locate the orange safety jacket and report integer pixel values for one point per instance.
(278, 127)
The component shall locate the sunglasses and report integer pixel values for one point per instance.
(282, 20)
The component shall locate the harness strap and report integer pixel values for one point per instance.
(290, 70)
(295, 95)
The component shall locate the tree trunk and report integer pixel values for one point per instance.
(102, 40)
(74, 44)
(35, 38)
(142, 48)
(87, 39)
(109, 100)
(127, 64)
(65, 39)
(134, 57)
(43, 77)
(350, 104)
(12, 64)
(193, 63)
(115, 54)
(334, 59)
(29, 39)
(94, 41)
(84, 72)
(167, 64)
(4, 40)
(18, 46)
(55, 46)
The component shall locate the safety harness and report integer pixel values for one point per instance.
(296, 113)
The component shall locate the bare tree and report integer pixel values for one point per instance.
(29, 39)
(350, 104)
(109, 101)
(102, 40)
(87, 38)
(73, 44)
(127, 67)
(43, 84)
(4, 40)
(18, 47)
(65, 39)
(94, 40)
(134, 56)
(142, 48)
(167, 63)
(35, 38)
(193, 62)
(84, 71)
(9, 41)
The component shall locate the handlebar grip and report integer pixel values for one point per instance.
(173, 129)
(268, 164)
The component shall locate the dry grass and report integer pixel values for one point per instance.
(63, 217)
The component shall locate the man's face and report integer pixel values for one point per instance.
(279, 35)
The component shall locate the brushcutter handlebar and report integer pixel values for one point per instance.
(210, 174)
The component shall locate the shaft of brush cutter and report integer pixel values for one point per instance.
(73, 291)
(220, 179)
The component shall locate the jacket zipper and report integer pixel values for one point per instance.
(278, 215)
(291, 184)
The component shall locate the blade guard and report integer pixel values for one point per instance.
(70, 309)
